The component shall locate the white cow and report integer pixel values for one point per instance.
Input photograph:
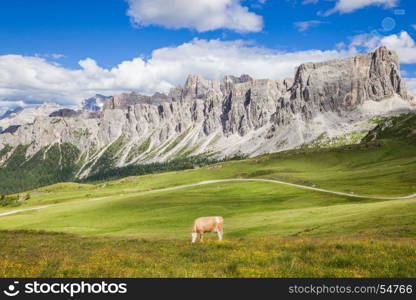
(207, 224)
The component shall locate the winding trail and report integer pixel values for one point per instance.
(12, 212)
(305, 187)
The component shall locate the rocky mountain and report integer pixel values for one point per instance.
(125, 100)
(219, 117)
(95, 103)
(100, 102)
(20, 116)
(11, 112)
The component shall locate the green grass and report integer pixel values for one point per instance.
(386, 170)
(176, 141)
(6, 149)
(250, 210)
(48, 165)
(323, 141)
(37, 254)
(107, 159)
(402, 126)
(136, 150)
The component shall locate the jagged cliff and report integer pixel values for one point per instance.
(223, 117)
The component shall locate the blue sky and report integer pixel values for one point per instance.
(66, 50)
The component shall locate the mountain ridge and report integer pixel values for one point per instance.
(225, 117)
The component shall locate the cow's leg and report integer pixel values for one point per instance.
(194, 237)
(201, 237)
(219, 235)
(220, 231)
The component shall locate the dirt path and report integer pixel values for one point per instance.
(305, 187)
(235, 180)
(12, 212)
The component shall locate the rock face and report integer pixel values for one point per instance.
(64, 112)
(95, 103)
(126, 100)
(224, 117)
(344, 84)
(21, 116)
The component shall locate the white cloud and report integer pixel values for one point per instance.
(34, 79)
(305, 25)
(402, 43)
(411, 84)
(404, 73)
(365, 42)
(55, 56)
(348, 6)
(202, 15)
(6, 105)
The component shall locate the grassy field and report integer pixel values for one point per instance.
(30, 254)
(129, 228)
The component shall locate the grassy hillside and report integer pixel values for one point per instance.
(64, 255)
(61, 162)
(126, 207)
(51, 164)
(399, 127)
(270, 229)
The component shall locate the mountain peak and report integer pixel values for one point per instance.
(11, 112)
(223, 116)
(346, 83)
(95, 103)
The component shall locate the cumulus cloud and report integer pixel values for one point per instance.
(35, 79)
(411, 84)
(50, 55)
(202, 15)
(348, 6)
(305, 25)
(29, 79)
(402, 43)
(57, 55)
(6, 105)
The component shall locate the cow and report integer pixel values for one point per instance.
(207, 224)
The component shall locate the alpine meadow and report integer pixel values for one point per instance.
(143, 223)
(259, 139)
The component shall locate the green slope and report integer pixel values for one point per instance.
(49, 165)
(250, 209)
(270, 229)
(126, 207)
